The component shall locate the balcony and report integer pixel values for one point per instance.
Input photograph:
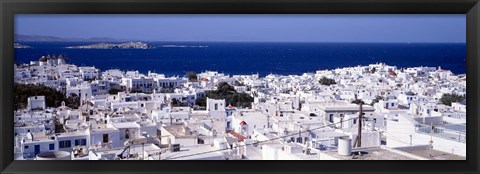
(454, 132)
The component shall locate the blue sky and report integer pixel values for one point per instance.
(249, 28)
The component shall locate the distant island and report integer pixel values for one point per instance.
(40, 38)
(127, 45)
(17, 45)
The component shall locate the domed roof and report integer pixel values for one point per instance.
(392, 73)
(230, 106)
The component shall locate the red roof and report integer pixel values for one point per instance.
(230, 106)
(442, 70)
(243, 123)
(239, 136)
(392, 73)
(204, 79)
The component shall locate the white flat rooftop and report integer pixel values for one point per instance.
(424, 151)
(71, 134)
(370, 153)
(126, 125)
(202, 152)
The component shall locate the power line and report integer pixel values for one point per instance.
(281, 137)
(394, 139)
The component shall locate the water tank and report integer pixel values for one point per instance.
(344, 146)
(55, 155)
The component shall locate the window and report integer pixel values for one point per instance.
(105, 138)
(65, 144)
(354, 121)
(26, 147)
(80, 142)
(216, 106)
(127, 134)
(51, 146)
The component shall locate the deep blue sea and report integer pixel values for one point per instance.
(248, 58)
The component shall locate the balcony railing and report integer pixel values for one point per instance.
(454, 132)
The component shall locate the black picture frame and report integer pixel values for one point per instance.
(8, 8)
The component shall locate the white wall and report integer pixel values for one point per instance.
(35, 102)
(211, 103)
(398, 135)
(44, 146)
(114, 137)
(72, 141)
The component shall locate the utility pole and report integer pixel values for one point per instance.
(300, 133)
(341, 121)
(268, 121)
(431, 138)
(143, 151)
(358, 142)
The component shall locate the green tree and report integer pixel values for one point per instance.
(201, 101)
(192, 76)
(358, 101)
(327, 81)
(237, 83)
(135, 90)
(175, 102)
(224, 88)
(240, 100)
(376, 100)
(231, 96)
(90, 79)
(53, 98)
(73, 101)
(113, 91)
(448, 99)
